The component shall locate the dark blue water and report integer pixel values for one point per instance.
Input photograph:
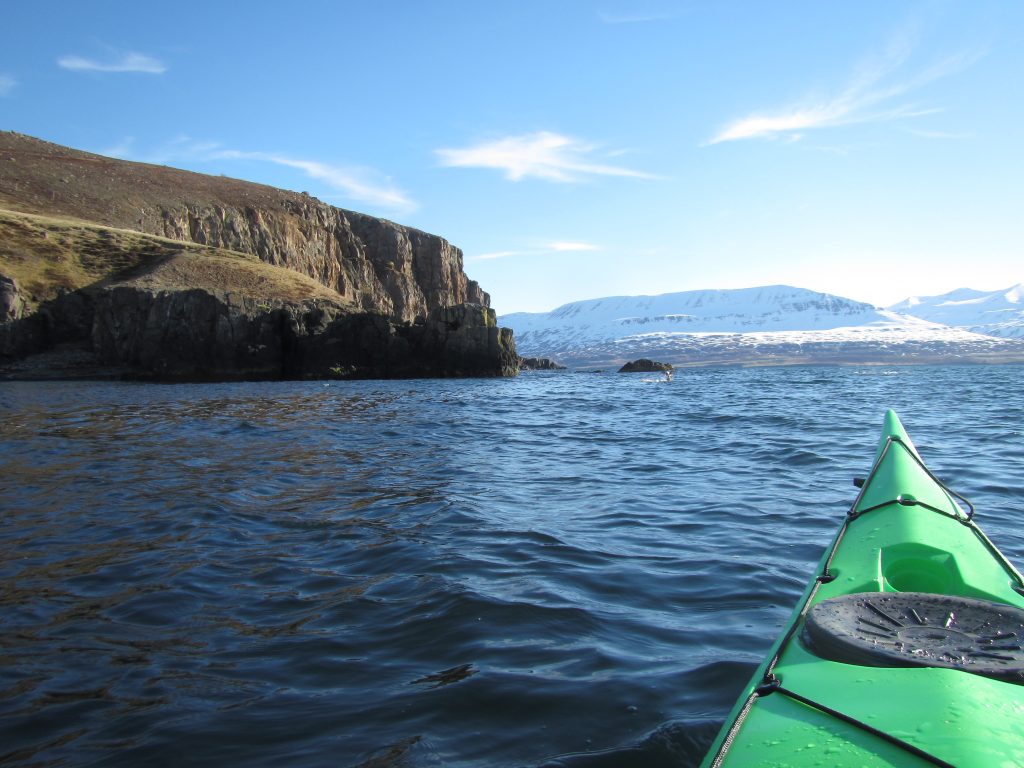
(563, 569)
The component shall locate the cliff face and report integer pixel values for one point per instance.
(196, 335)
(162, 273)
(374, 265)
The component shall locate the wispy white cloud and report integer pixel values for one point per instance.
(494, 255)
(542, 155)
(363, 185)
(558, 246)
(570, 246)
(123, 62)
(7, 83)
(181, 148)
(122, 150)
(872, 95)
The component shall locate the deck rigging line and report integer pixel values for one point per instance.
(771, 684)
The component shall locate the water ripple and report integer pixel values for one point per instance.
(558, 570)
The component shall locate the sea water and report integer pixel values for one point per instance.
(562, 569)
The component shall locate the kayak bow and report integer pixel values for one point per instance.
(906, 647)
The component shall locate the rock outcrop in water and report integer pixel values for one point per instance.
(643, 365)
(172, 274)
(539, 364)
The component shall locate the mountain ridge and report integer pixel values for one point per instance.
(773, 324)
(993, 313)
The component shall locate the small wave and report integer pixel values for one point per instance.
(394, 571)
(680, 744)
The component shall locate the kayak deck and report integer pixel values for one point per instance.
(905, 533)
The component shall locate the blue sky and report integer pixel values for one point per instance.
(578, 149)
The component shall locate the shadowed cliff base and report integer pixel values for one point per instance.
(110, 268)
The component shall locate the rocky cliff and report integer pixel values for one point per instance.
(193, 334)
(178, 274)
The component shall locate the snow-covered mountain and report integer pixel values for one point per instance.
(995, 313)
(770, 324)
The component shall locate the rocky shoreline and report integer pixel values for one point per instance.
(111, 268)
(194, 336)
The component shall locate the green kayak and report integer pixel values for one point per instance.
(906, 647)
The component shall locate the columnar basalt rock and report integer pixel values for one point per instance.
(197, 335)
(190, 334)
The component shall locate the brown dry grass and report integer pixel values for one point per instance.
(48, 254)
(48, 179)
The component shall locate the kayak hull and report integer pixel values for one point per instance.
(905, 533)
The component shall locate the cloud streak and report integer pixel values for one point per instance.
(360, 184)
(494, 255)
(542, 155)
(871, 96)
(562, 246)
(939, 134)
(126, 62)
(558, 246)
(363, 185)
(7, 83)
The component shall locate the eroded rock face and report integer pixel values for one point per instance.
(16, 335)
(186, 334)
(197, 335)
(377, 265)
(12, 303)
(465, 338)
